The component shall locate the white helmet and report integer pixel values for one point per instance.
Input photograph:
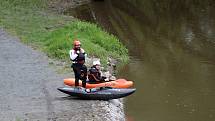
(97, 62)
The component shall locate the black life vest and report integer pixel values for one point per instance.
(95, 72)
(80, 58)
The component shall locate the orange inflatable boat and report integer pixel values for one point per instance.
(119, 83)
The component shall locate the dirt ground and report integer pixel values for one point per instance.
(61, 6)
(28, 89)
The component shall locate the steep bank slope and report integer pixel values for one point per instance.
(28, 89)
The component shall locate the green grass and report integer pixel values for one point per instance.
(94, 40)
(29, 21)
(34, 24)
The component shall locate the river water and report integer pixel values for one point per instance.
(172, 55)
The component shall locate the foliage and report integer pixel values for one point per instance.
(34, 24)
(94, 40)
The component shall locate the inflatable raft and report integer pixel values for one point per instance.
(119, 83)
(97, 94)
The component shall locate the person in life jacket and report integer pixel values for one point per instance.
(94, 74)
(77, 56)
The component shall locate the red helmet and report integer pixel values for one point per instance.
(76, 42)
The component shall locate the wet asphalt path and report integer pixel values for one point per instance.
(28, 89)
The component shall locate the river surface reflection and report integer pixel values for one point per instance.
(172, 50)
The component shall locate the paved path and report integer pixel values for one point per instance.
(28, 89)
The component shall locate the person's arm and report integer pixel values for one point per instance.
(72, 55)
(82, 51)
(94, 78)
(93, 72)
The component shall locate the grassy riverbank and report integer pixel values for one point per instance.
(35, 24)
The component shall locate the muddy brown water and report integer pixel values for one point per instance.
(172, 55)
